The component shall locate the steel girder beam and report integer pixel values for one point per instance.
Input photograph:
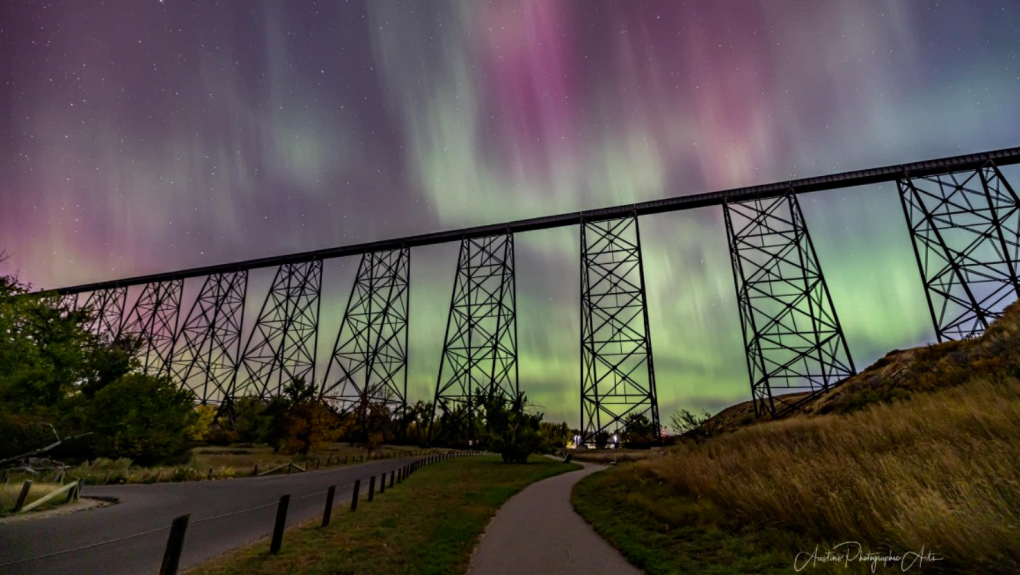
(369, 360)
(208, 345)
(480, 349)
(107, 307)
(965, 229)
(282, 345)
(153, 319)
(792, 336)
(617, 370)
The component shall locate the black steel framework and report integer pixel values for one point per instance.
(480, 348)
(617, 370)
(965, 229)
(792, 336)
(208, 344)
(153, 319)
(107, 306)
(283, 342)
(369, 360)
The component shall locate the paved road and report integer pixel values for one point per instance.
(149, 507)
(554, 538)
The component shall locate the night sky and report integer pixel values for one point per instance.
(141, 136)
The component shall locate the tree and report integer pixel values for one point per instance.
(638, 431)
(692, 425)
(141, 417)
(510, 429)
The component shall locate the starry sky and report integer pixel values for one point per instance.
(141, 136)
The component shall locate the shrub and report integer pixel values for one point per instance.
(142, 417)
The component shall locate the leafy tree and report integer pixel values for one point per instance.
(638, 431)
(510, 429)
(692, 425)
(554, 435)
(142, 417)
(249, 421)
(202, 429)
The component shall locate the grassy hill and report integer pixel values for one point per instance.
(918, 454)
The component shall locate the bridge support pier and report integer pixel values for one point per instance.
(208, 345)
(617, 371)
(965, 229)
(282, 344)
(369, 360)
(792, 336)
(108, 306)
(480, 349)
(153, 319)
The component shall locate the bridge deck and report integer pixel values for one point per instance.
(1006, 156)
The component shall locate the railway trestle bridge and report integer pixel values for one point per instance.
(962, 214)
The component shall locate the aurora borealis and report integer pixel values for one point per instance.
(140, 136)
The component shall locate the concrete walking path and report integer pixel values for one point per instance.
(538, 531)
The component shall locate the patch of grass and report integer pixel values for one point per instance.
(9, 496)
(428, 524)
(937, 472)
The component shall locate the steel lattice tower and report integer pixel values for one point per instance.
(153, 319)
(209, 343)
(282, 345)
(480, 349)
(965, 229)
(107, 306)
(369, 359)
(617, 371)
(792, 336)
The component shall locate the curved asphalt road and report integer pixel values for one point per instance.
(148, 507)
(556, 540)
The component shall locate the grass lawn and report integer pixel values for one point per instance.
(428, 524)
(661, 532)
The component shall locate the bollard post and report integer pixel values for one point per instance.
(354, 498)
(281, 524)
(371, 488)
(174, 546)
(317, 462)
(25, 488)
(382, 483)
(400, 474)
(256, 471)
(329, 505)
(392, 475)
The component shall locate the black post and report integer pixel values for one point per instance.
(371, 488)
(329, 505)
(354, 498)
(382, 483)
(400, 474)
(393, 475)
(345, 459)
(256, 471)
(174, 546)
(25, 488)
(281, 524)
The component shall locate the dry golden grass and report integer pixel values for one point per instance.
(940, 471)
(9, 496)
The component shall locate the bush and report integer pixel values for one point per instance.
(142, 417)
(509, 429)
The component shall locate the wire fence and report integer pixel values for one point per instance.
(177, 529)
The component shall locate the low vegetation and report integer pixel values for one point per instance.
(429, 524)
(9, 493)
(930, 467)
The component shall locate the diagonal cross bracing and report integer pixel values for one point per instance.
(209, 343)
(282, 344)
(617, 371)
(480, 349)
(965, 229)
(792, 336)
(153, 319)
(107, 306)
(369, 359)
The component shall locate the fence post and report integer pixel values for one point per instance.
(25, 488)
(382, 483)
(256, 471)
(371, 487)
(392, 476)
(345, 459)
(329, 505)
(174, 546)
(400, 474)
(281, 524)
(354, 498)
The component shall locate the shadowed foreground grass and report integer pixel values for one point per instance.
(428, 524)
(937, 473)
